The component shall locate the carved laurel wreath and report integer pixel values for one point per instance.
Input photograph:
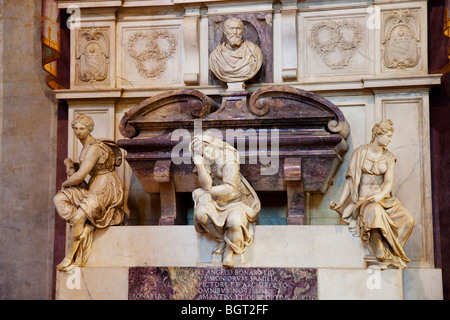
(152, 52)
(336, 42)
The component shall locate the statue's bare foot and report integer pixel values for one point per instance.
(219, 248)
(64, 264)
(228, 261)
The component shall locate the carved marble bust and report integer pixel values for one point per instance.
(235, 60)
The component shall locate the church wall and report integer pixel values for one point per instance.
(27, 156)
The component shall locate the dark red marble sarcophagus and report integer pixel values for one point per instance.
(289, 140)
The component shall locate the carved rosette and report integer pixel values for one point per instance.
(336, 41)
(151, 51)
(401, 40)
(92, 55)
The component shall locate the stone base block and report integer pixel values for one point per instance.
(92, 284)
(332, 284)
(360, 284)
(273, 246)
(336, 257)
(422, 284)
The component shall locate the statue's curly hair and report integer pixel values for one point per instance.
(381, 128)
(85, 120)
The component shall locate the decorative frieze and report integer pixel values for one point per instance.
(149, 53)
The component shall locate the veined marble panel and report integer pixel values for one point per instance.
(358, 110)
(274, 246)
(150, 53)
(369, 284)
(412, 183)
(141, 208)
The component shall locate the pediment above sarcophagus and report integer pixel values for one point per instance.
(169, 108)
(266, 108)
(287, 102)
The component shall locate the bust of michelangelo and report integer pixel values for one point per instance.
(235, 60)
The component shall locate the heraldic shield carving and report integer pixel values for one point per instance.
(92, 56)
(401, 40)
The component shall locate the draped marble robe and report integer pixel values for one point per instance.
(236, 65)
(394, 222)
(243, 203)
(101, 200)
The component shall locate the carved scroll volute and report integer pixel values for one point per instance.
(199, 106)
(264, 99)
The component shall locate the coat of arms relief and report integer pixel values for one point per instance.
(92, 55)
(401, 40)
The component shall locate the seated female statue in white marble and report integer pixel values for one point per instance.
(235, 60)
(368, 204)
(97, 204)
(225, 206)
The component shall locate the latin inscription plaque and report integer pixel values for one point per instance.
(217, 283)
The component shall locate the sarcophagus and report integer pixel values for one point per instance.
(289, 140)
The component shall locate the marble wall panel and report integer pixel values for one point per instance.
(141, 208)
(412, 184)
(359, 114)
(335, 43)
(92, 284)
(369, 284)
(150, 53)
(212, 283)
